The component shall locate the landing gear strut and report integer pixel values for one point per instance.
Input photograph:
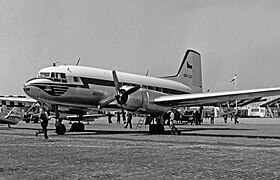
(60, 128)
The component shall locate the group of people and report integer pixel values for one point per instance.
(44, 120)
(127, 121)
(234, 116)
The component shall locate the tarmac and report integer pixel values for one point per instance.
(265, 128)
(248, 150)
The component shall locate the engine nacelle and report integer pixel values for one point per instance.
(134, 101)
(139, 101)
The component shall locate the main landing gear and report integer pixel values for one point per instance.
(60, 128)
(77, 127)
(155, 125)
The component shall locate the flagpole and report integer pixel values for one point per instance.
(235, 88)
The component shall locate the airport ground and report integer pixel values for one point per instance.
(248, 150)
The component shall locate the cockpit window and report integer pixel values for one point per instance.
(59, 77)
(44, 74)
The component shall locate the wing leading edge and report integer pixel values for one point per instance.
(204, 99)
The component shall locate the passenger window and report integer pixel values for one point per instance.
(158, 89)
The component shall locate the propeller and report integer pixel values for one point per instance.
(121, 94)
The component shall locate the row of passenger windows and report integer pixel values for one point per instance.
(143, 86)
(159, 89)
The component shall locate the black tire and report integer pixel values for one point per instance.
(60, 129)
(77, 127)
(81, 127)
(156, 129)
(159, 129)
(152, 128)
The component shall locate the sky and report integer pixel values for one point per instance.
(233, 37)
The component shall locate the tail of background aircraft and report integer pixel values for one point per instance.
(190, 72)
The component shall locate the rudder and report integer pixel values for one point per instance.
(190, 73)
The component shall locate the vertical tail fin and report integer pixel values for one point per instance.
(190, 73)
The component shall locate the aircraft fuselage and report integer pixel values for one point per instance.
(79, 86)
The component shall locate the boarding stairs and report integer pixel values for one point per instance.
(270, 111)
(140, 123)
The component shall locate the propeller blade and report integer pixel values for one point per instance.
(123, 113)
(132, 90)
(116, 81)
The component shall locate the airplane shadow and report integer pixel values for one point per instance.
(133, 131)
(104, 132)
(213, 129)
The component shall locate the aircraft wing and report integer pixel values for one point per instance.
(208, 99)
(88, 117)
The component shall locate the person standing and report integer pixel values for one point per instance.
(225, 118)
(118, 118)
(44, 119)
(110, 118)
(236, 118)
(212, 117)
(128, 121)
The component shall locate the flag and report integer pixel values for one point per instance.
(233, 79)
(189, 65)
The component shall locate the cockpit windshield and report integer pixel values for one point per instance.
(55, 76)
(43, 75)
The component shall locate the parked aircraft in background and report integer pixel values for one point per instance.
(11, 117)
(81, 88)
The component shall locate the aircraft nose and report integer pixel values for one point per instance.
(30, 89)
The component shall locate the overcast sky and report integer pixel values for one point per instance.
(233, 37)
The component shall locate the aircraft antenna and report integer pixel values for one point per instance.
(147, 73)
(78, 62)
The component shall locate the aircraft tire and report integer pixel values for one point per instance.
(159, 129)
(77, 127)
(152, 129)
(156, 129)
(80, 127)
(60, 129)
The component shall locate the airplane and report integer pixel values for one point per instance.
(10, 118)
(80, 88)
